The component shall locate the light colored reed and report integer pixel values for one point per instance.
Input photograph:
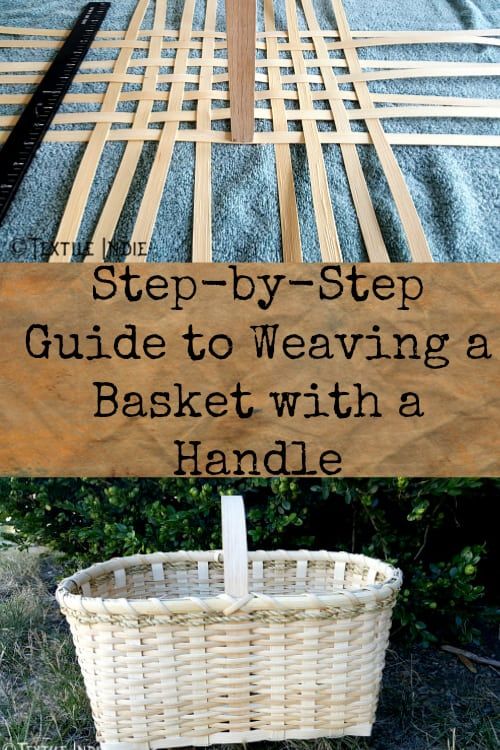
(171, 658)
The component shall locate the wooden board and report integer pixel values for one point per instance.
(241, 27)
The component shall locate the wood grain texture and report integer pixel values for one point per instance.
(159, 117)
(484, 36)
(82, 184)
(241, 28)
(261, 113)
(435, 68)
(212, 136)
(202, 208)
(234, 545)
(410, 219)
(370, 229)
(390, 98)
(150, 204)
(120, 188)
(325, 221)
(450, 70)
(289, 216)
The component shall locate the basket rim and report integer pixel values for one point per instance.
(368, 595)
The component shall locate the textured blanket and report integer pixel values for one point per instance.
(455, 188)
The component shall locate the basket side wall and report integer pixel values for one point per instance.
(197, 680)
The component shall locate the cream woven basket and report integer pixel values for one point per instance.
(197, 648)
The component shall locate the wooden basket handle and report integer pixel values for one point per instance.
(234, 545)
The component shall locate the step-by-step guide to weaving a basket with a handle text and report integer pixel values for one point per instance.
(249, 374)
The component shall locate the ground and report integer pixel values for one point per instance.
(429, 699)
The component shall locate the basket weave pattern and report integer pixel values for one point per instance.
(169, 659)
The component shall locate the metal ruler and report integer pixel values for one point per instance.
(26, 136)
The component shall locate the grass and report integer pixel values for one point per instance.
(429, 699)
(42, 698)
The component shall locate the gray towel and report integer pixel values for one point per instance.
(455, 189)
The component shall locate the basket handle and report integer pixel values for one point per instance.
(234, 545)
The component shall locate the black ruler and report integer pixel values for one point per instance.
(26, 136)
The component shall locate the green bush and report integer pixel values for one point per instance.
(437, 531)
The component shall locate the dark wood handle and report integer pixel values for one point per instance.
(241, 29)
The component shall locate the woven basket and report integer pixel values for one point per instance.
(197, 648)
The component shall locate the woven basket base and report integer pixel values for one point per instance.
(227, 738)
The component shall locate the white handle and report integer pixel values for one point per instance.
(234, 545)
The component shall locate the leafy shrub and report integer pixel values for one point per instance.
(437, 531)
